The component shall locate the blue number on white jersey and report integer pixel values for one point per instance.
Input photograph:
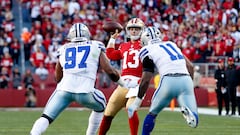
(71, 54)
(172, 56)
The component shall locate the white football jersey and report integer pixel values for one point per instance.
(80, 61)
(166, 56)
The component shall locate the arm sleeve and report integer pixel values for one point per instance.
(113, 54)
(148, 65)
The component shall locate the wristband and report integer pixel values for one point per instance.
(111, 41)
(120, 82)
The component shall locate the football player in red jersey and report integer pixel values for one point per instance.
(131, 72)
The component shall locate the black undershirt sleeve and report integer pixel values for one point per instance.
(148, 65)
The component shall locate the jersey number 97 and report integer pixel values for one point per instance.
(71, 57)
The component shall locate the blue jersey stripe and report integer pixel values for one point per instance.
(143, 53)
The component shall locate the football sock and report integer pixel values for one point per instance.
(94, 122)
(148, 124)
(39, 126)
(105, 125)
(133, 123)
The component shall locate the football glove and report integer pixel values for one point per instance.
(131, 83)
(121, 83)
(134, 106)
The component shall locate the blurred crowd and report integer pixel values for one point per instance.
(204, 29)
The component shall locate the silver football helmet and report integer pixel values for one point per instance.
(150, 33)
(78, 32)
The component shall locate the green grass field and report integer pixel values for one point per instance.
(74, 122)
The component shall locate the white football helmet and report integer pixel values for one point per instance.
(150, 33)
(78, 32)
(135, 23)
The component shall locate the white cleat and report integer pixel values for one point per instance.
(191, 119)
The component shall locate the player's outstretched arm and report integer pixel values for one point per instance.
(58, 72)
(111, 42)
(110, 51)
(148, 71)
(145, 81)
(112, 73)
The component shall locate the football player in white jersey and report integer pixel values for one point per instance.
(76, 73)
(175, 82)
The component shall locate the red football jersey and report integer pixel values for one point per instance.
(128, 52)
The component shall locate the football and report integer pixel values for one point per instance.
(111, 26)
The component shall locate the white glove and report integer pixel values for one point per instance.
(134, 106)
(131, 83)
(121, 83)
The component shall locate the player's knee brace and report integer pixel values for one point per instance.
(50, 120)
(148, 124)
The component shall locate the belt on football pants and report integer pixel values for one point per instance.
(176, 74)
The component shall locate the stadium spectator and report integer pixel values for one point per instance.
(42, 73)
(45, 9)
(57, 18)
(197, 55)
(177, 70)
(69, 75)
(221, 87)
(52, 51)
(28, 78)
(38, 45)
(58, 4)
(231, 77)
(31, 99)
(36, 31)
(4, 78)
(15, 50)
(25, 5)
(8, 27)
(73, 6)
(5, 48)
(50, 63)
(35, 11)
(6, 3)
(8, 14)
(47, 28)
(37, 57)
(26, 39)
(7, 62)
(16, 79)
(219, 46)
(189, 50)
(229, 44)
